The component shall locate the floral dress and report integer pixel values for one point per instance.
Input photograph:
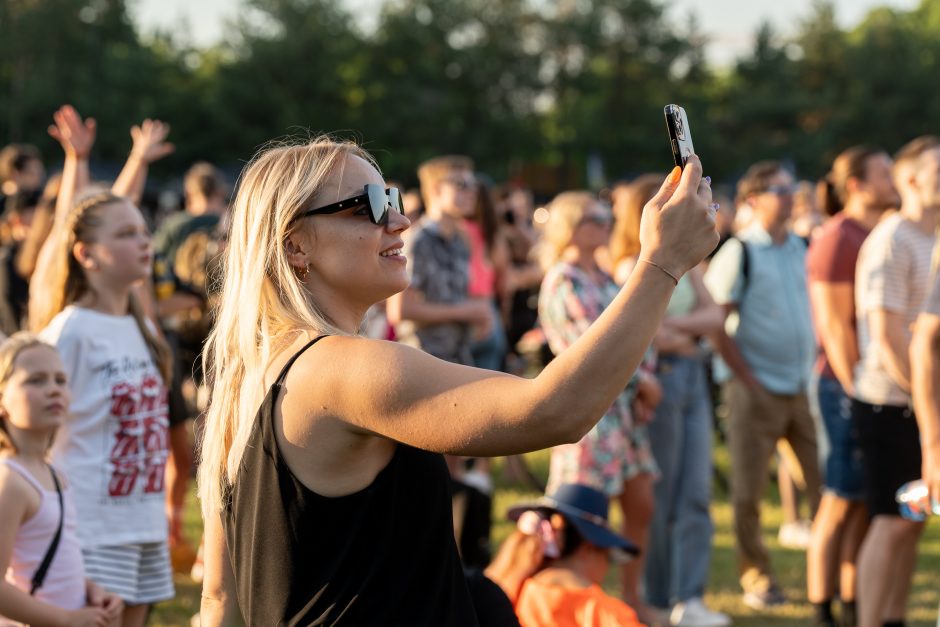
(615, 449)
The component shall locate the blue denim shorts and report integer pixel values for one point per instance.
(844, 469)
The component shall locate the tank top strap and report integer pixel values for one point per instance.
(26, 474)
(290, 362)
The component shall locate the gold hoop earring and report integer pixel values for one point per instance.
(303, 273)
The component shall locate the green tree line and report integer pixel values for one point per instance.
(530, 89)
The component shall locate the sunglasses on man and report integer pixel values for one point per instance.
(376, 197)
(462, 184)
(780, 190)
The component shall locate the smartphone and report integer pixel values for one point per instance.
(680, 136)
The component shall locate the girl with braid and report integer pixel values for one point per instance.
(114, 444)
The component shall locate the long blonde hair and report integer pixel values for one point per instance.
(10, 349)
(564, 214)
(276, 186)
(68, 282)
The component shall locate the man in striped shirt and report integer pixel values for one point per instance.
(892, 281)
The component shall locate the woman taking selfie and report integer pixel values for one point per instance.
(324, 489)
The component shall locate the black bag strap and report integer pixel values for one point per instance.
(745, 267)
(40, 575)
(746, 263)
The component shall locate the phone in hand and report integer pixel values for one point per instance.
(680, 135)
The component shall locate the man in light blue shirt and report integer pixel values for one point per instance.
(759, 279)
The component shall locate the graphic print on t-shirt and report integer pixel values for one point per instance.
(138, 430)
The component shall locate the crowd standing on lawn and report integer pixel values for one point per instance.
(320, 324)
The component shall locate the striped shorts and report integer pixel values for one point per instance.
(138, 573)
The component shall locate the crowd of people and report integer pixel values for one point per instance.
(354, 353)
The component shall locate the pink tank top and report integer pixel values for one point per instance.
(64, 585)
(482, 275)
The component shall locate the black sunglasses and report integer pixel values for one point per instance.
(462, 184)
(780, 190)
(378, 199)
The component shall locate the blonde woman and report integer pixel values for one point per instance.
(323, 484)
(614, 456)
(681, 434)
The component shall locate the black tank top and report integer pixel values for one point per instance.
(382, 556)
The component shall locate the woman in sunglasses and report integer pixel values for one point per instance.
(324, 488)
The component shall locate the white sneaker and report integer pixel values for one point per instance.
(693, 613)
(795, 535)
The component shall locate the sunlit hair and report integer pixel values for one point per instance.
(565, 212)
(907, 158)
(204, 179)
(435, 170)
(852, 163)
(485, 215)
(628, 209)
(10, 349)
(69, 283)
(278, 184)
(14, 158)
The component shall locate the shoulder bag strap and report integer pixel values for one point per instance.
(51, 551)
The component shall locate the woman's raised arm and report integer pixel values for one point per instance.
(405, 395)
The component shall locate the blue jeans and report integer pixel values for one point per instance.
(681, 531)
(844, 470)
(490, 352)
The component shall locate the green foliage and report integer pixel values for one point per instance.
(514, 83)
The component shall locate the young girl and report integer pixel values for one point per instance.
(34, 400)
(115, 444)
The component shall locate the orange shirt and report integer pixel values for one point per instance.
(541, 605)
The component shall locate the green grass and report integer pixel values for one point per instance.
(724, 592)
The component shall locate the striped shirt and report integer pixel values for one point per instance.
(893, 275)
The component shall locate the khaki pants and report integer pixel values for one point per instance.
(757, 421)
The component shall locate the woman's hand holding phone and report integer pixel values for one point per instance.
(677, 229)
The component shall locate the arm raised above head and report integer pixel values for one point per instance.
(149, 145)
(405, 395)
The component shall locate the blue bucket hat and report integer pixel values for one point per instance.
(586, 509)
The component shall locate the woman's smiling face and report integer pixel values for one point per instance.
(348, 255)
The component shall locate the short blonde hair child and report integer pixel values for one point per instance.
(10, 349)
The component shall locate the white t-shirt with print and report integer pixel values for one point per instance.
(114, 446)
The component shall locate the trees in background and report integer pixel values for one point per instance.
(511, 82)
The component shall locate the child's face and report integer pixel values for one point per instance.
(36, 396)
(122, 250)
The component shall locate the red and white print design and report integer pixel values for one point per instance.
(139, 439)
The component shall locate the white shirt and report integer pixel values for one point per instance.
(114, 447)
(893, 274)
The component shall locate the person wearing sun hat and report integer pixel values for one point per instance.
(578, 546)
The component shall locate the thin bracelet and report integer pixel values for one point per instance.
(656, 265)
